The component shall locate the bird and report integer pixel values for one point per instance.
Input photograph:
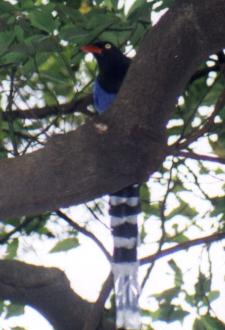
(124, 205)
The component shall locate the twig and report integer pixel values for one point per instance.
(84, 232)
(163, 220)
(9, 109)
(203, 128)
(193, 155)
(204, 72)
(25, 223)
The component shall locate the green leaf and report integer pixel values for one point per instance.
(27, 4)
(213, 295)
(6, 39)
(190, 299)
(7, 7)
(214, 92)
(178, 238)
(168, 312)
(65, 245)
(43, 20)
(14, 310)
(19, 33)
(14, 57)
(12, 248)
(136, 5)
(145, 194)
(117, 38)
(212, 323)
(167, 295)
(178, 272)
(184, 209)
(219, 205)
(198, 325)
(140, 10)
(202, 287)
(138, 34)
(2, 305)
(207, 322)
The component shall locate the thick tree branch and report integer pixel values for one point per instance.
(126, 144)
(45, 289)
(96, 312)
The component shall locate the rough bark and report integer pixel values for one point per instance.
(45, 289)
(123, 146)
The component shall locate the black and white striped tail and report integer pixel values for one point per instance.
(124, 209)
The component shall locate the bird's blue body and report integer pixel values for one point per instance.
(102, 99)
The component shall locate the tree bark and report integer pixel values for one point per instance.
(126, 144)
(45, 289)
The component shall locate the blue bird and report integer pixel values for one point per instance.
(124, 205)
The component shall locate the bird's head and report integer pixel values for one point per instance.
(112, 63)
(102, 49)
(107, 55)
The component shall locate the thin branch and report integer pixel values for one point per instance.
(17, 229)
(163, 220)
(196, 180)
(84, 232)
(204, 72)
(192, 115)
(9, 109)
(183, 246)
(193, 155)
(53, 110)
(95, 216)
(202, 129)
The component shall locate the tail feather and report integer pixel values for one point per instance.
(124, 209)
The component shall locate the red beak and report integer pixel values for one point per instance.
(91, 49)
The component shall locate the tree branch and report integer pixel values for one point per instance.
(45, 289)
(193, 155)
(85, 232)
(202, 128)
(54, 110)
(126, 144)
(183, 246)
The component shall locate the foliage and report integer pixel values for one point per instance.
(41, 65)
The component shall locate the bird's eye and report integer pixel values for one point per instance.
(108, 46)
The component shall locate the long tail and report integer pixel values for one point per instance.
(124, 209)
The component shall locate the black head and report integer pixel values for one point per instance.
(113, 64)
(102, 49)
